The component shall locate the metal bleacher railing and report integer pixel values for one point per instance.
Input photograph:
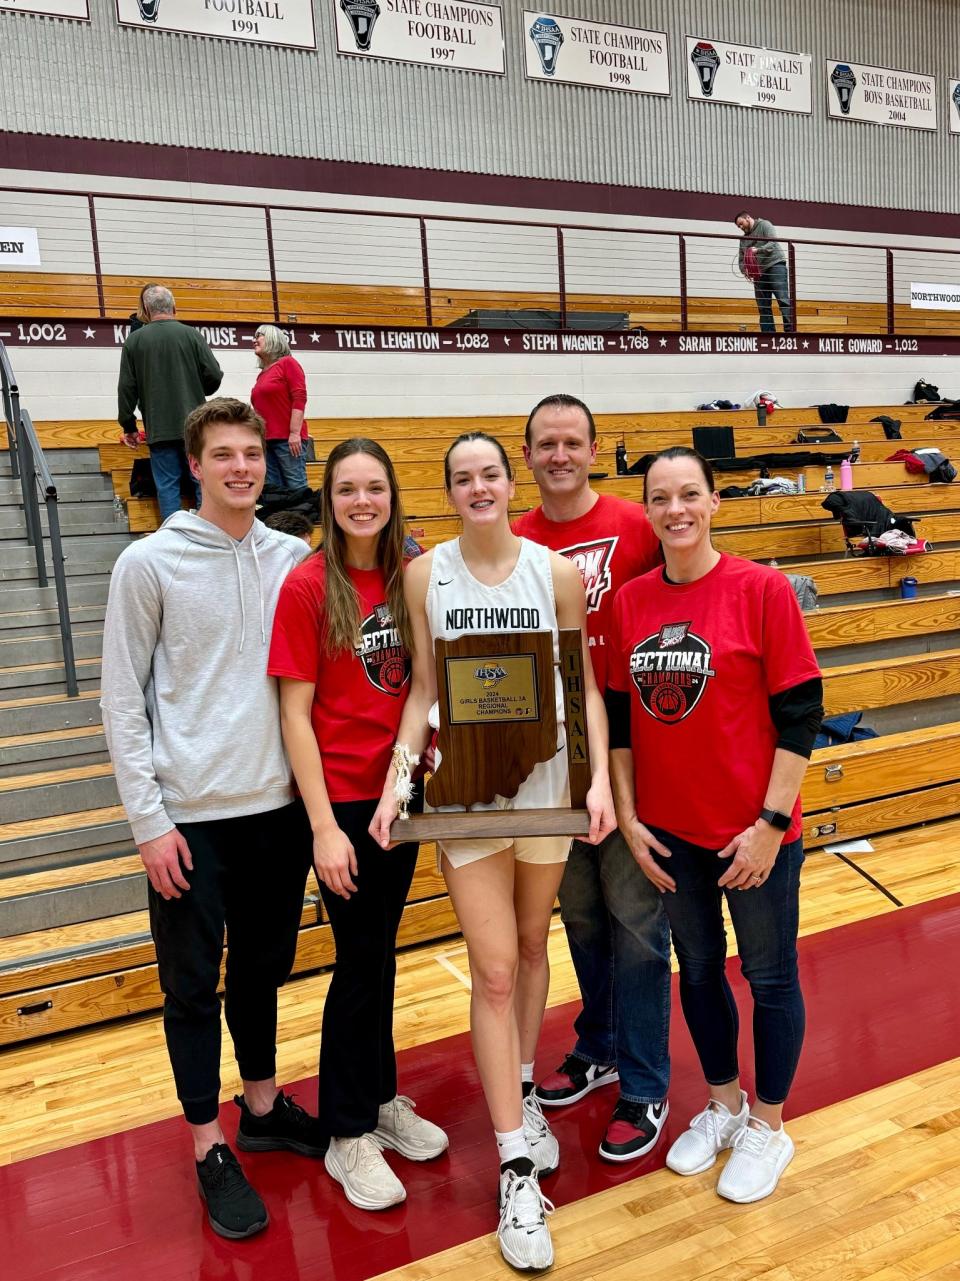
(234, 260)
(29, 466)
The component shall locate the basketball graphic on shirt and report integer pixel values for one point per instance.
(385, 661)
(671, 669)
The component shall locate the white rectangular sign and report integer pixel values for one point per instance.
(927, 297)
(881, 95)
(953, 107)
(19, 247)
(279, 22)
(748, 76)
(78, 9)
(602, 54)
(438, 33)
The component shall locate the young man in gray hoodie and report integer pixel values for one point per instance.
(193, 726)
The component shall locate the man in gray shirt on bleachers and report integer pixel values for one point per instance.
(766, 269)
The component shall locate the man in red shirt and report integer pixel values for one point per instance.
(615, 923)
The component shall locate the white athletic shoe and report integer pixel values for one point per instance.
(366, 1178)
(710, 1131)
(523, 1233)
(400, 1128)
(760, 1155)
(542, 1142)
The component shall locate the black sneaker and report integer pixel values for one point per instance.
(633, 1130)
(233, 1207)
(287, 1126)
(573, 1079)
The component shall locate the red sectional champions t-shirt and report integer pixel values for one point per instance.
(611, 544)
(701, 660)
(359, 694)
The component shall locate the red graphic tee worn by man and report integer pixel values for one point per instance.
(701, 661)
(611, 544)
(359, 694)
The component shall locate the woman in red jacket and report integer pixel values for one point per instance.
(280, 398)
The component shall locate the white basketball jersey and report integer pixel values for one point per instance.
(458, 604)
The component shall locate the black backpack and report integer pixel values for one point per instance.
(926, 391)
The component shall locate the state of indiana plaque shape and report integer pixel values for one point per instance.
(498, 715)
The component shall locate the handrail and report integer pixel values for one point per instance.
(28, 464)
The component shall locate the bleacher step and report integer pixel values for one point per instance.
(21, 681)
(17, 652)
(58, 792)
(84, 745)
(72, 904)
(84, 589)
(59, 840)
(35, 713)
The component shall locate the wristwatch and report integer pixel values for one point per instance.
(780, 821)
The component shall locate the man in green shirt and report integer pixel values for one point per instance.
(168, 370)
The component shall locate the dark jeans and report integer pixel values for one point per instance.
(774, 283)
(171, 475)
(358, 1064)
(248, 874)
(765, 923)
(283, 469)
(620, 944)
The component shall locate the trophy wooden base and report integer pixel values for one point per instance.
(475, 824)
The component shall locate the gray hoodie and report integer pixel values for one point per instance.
(192, 720)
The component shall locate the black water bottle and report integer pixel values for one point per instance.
(621, 455)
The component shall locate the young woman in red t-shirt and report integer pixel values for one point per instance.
(714, 702)
(280, 398)
(340, 646)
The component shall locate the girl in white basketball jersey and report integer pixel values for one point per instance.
(489, 580)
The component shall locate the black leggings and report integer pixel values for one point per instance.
(248, 874)
(358, 1066)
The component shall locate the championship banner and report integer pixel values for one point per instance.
(278, 22)
(19, 247)
(954, 107)
(935, 297)
(603, 55)
(77, 9)
(881, 95)
(747, 76)
(434, 33)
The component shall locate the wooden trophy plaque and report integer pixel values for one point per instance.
(498, 720)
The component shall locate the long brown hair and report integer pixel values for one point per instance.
(342, 629)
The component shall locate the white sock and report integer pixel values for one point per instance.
(511, 1145)
(526, 1072)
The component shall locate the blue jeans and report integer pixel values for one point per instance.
(168, 462)
(774, 283)
(283, 470)
(765, 923)
(620, 944)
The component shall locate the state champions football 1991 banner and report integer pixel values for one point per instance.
(881, 95)
(277, 22)
(748, 76)
(602, 55)
(457, 34)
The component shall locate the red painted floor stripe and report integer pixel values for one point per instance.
(883, 1000)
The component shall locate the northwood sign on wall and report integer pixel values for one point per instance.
(437, 33)
(600, 54)
(278, 22)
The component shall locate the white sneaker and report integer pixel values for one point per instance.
(760, 1156)
(523, 1233)
(710, 1131)
(367, 1180)
(413, 1137)
(543, 1145)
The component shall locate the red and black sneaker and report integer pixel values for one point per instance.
(574, 1079)
(633, 1130)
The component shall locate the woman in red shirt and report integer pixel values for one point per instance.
(340, 646)
(280, 398)
(715, 699)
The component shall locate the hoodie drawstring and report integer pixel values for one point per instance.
(243, 612)
(256, 561)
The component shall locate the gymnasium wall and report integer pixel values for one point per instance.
(99, 80)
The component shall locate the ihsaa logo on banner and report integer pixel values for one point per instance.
(362, 16)
(547, 39)
(844, 82)
(706, 60)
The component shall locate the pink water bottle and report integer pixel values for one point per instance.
(846, 474)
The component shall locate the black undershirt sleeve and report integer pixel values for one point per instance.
(617, 703)
(797, 713)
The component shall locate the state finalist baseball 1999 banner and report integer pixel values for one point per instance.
(602, 55)
(747, 76)
(279, 22)
(954, 107)
(881, 95)
(436, 33)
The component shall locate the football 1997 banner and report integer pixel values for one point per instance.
(76, 9)
(278, 22)
(747, 76)
(881, 95)
(600, 54)
(436, 33)
(954, 107)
